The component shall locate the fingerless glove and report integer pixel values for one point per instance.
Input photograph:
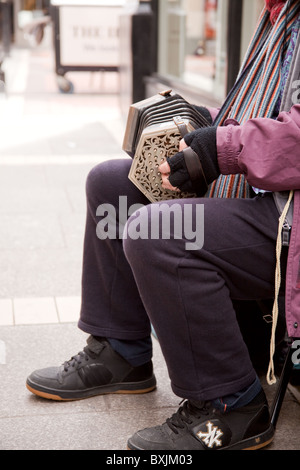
(193, 169)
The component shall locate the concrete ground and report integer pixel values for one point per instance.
(49, 142)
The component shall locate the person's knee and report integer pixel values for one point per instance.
(96, 179)
(106, 181)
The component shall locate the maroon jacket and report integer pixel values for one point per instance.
(267, 152)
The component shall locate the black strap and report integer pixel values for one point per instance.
(181, 125)
(195, 169)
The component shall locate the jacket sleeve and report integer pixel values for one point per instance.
(266, 151)
(213, 112)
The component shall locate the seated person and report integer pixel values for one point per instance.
(129, 283)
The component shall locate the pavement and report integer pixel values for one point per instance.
(49, 142)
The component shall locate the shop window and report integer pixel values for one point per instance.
(200, 47)
(192, 43)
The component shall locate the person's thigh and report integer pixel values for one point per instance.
(240, 238)
(108, 181)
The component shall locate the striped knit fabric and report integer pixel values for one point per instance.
(258, 86)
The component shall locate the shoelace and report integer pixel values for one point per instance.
(185, 415)
(75, 361)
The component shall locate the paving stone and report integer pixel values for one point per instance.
(29, 311)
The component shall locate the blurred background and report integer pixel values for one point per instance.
(69, 71)
(195, 45)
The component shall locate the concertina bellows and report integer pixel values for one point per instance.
(153, 132)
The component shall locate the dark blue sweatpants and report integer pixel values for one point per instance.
(146, 274)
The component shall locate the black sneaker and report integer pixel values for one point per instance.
(96, 370)
(197, 426)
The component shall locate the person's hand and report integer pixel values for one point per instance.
(165, 170)
(195, 166)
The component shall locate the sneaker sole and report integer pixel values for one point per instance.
(254, 443)
(122, 388)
